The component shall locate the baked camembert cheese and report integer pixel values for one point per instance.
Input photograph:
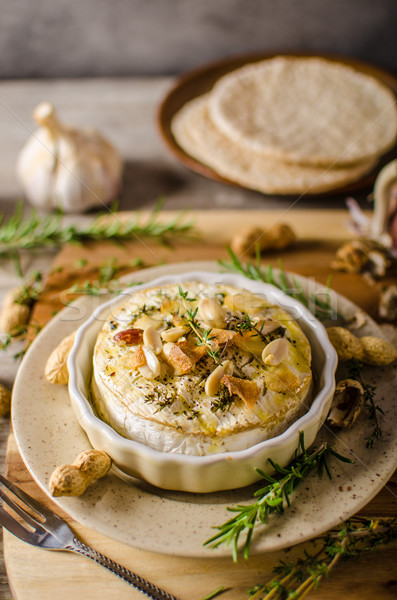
(200, 369)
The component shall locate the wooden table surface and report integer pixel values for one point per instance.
(33, 578)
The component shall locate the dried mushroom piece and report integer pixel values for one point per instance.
(247, 390)
(357, 321)
(221, 337)
(138, 358)
(183, 355)
(363, 256)
(347, 403)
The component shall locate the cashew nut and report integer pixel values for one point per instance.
(152, 368)
(173, 334)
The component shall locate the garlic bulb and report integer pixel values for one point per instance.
(67, 168)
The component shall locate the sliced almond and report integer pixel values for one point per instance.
(173, 334)
(245, 303)
(152, 339)
(145, 321)
(152, 368)
(228, 366)
(129, 337)
(214, 380)
(247, 390)
(212, 313)
(275, 352)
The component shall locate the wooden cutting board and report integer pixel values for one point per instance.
(38, 575)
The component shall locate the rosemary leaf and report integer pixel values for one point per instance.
(32, 232)
(322, 309)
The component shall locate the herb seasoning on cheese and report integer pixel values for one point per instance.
(200, 369)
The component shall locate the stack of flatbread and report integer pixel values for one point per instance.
(290, 125)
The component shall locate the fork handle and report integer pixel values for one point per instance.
(141, 584)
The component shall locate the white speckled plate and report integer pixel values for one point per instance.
(178, 523)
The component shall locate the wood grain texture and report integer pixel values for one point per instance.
(36, 575)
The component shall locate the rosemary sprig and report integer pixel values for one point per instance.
(350, 540)
(203, 335)
(274, 496)
(33, 232)
(322, 309)
(107, 279)
(355, 372)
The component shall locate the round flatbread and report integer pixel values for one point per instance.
(197, 135)
(305, 110)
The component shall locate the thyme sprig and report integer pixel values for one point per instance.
(322, 309)
(355, 372)
(350, 540)
(274, 497)
(33, 232)
(245, 323)
(202, 334)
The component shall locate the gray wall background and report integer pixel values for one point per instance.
(69, 38)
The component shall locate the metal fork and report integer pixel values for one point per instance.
(49, 531)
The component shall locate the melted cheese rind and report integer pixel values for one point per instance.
(172, 413)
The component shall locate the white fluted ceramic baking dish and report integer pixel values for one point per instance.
(214, 472)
